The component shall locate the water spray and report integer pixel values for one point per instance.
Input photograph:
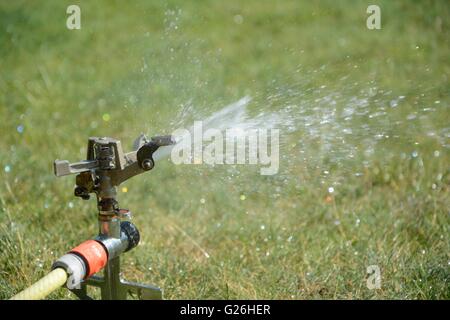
(105, 168)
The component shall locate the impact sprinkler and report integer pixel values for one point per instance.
(105, 168)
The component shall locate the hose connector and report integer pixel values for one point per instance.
(82, 262)
(91, 256)
(74, 267)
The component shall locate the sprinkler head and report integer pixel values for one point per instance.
(107, 166)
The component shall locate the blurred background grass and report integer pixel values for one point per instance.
(135, 67)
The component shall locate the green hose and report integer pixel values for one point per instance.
(44, 286)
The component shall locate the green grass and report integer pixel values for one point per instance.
(140, 63)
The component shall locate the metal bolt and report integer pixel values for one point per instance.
(147, 164)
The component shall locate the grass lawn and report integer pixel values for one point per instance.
(364, 143)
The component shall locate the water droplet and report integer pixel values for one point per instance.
(106, 117)
(238, 19)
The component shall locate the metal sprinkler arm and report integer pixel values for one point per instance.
(105, 159)
(125, 165)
